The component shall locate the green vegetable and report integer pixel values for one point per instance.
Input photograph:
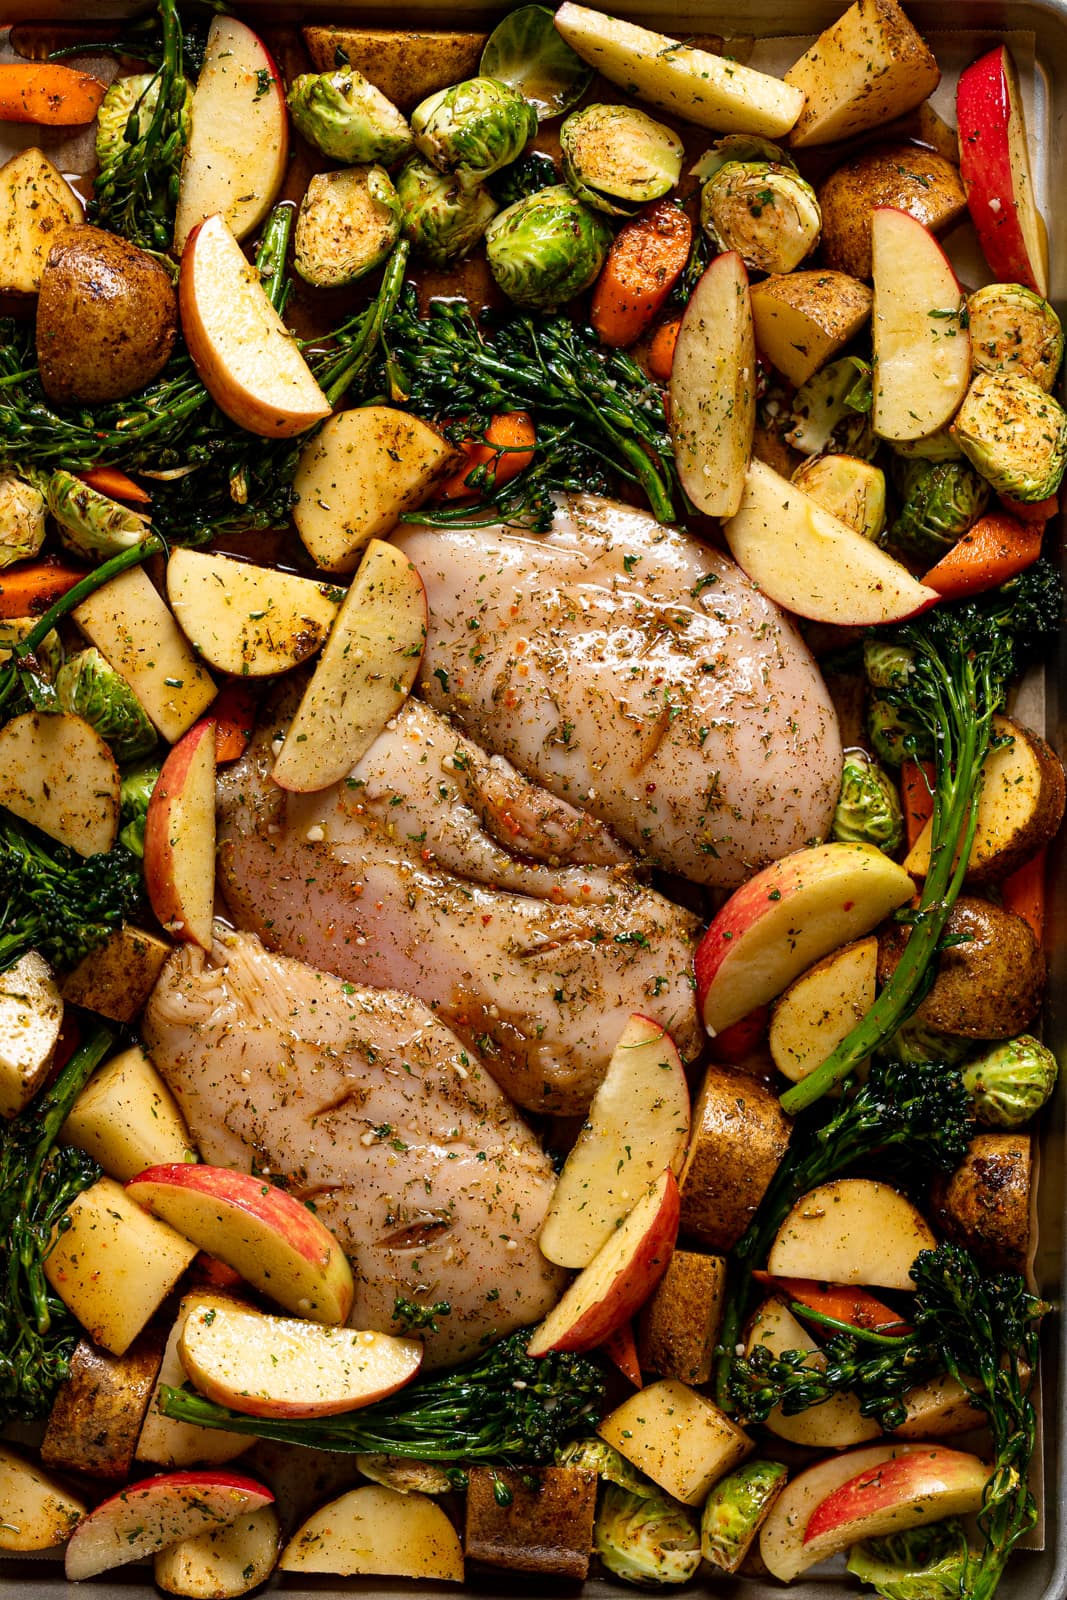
(348, 223)
(442, 220)
(134, 795)
(596, 1455)
(849, 488)
(888, 665)
(472, 129)
(734, 1510)
(505, 1407)
(650, 1540)
(893, 735)
(766, 212)
(736, 147)
(937, 446)
(1011, 1082)
(546, 249)
(1014, 434)
(347, 118)
(915, 1041)
(22, 525)
(527, 52)
(617, 157)
(91, 524)
(531, 173)
(931, 1563)
(831, 412)
(940, 501)
(88, 686)
(868, 807)
(1014, 330)
(38, 1181)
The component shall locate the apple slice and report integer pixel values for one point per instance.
(247, 359)
(851, 1230)
(907, 1492)
(249, 620)
(822, 1007)
(238, 150)
(179, 838)
(148, 1516)
(364, 674)
(713, 388)
(282, 1367)
(995, 168)
(922, 349)
(375, 1529)
(223, 1562)
(620, 1277)
(809, 561)
(274, 1242)
(37, 1511)
(637, 1125)
(788, 917)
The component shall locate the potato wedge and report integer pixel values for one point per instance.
(546, 1527)
(224, 1562)
(713, 388)
(376, 1530)
(680, 1323)
(834, 1425)
(31, 1015)
(678, 1437)
(938, 1409)
(802, 319)
(867, 67)
(57, 772)
(901, 175)
(359, 475)
(36, 204)
(851, 1230)
(985, 1204)
(248, 620)
(740, 1135)
(162, 1440)
(99, 1407)
(822, 1007)
(406, 64)
(127, 1119)
(117, 977)
(37, 1512)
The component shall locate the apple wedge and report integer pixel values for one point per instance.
(224, 1562)
(636, 1126)
(822, 1007)
(165, 1442)
(995, 168)
(57, 773)
(179, 838)
(813, 564)
(922, 347)
(363, 676)
(274, 1242)
(851, 1231)
(907, 1492)
(786, 918)
(238, 150)
(620, 1277)
(249, 620)
(377, 1530)
(713, 388)
(148, 1516)
(37, 1512)
(282, 1367)
(247, 359)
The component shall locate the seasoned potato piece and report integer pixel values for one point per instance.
(822, 1007)
(985, 1204)
(905, 176)
(36, 204)
(57, 773)
(168, 1443)
(677, 1436)
(37, 1512)
(834, 1425)
(406, 64)
(97, 1413)
(739, 1136)
(117, 977)
(546, 1527)
(869, 66)
(376, 1530)
(680, 1323)
(245, 619)
(31, 1015)
(802, 319)
(127, 1119)
(853, 1231)
(937, 1409)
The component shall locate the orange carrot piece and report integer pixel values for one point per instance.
(112, 481)
(506, 448)
(1031, 510)
(233, 711)
(1024, 893)
(660, 358)
(620, 1348)
(739, 1040)
(838, 1300)
(916, 796)
(29, 590)
(642, 267)
(47, 93)
(997, 548)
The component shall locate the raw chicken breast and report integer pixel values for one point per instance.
(440, 871)
(367, 1103)
(639, 675)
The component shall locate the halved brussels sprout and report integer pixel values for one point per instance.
(1011, 1082)
(849, 488)
(546, 249)
(124, 114)
(342, 114)
(404, 1475)
(443, 221)
(766, 212)
(596, 1455)
(940, 500)
(893, 735)
(937, 446)
(91, 524)
(135, 791)
(46, 659)
(917, 1041)
(619, 154)
(1014, 330)
(473, 128)
(527, 52)
(22, 523)
(1014, 433)
(348, 222)
(887, 666)
(739, 147)
(930, 1563)
(88, 686)
(734, 1510)
(868, 806)
(831, 412)
(650, 1540)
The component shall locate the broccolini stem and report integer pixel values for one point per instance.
(343, 373)
(270, 257)
(134, 557)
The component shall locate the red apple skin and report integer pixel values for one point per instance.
(127, 1522)
(903, 1481)
(741, 911)
(983, 108)
(620, 1348)
(159, 856)
(737, 1042)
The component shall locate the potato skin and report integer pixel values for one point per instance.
(99, 1407)
(740, 1134)
(680, 1323)
(546, 1527)
(906, 176)
(107, 317)
(985, 1204)
(989, 987)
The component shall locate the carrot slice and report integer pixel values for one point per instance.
(29, 590)
(44, 92)
(838, 1300)
(660, 358)
(233, 711)
(996, 548)
(620, 1348)
(506, 449)
(1024, 893)
(642, 267)
(917, 796)
(112, 481)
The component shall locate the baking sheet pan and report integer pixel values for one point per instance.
(958, 30)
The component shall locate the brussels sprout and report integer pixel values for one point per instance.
(473, 129)
(544, 250)
(22, 509)
(1011, 1082)
(527, 52)
(1014, 433)
(937, 446)
(531, 173)
(916, 1041)
(135, 791)
(404, 1475)
(831, 412)
(619, 154)
(868, 806)
(596, 1455)
(48, 656)
(89, 687)
(739, 147)
(849, 488)
(648, 1540)
(125, 112)
(348, 222)
(1014, 330)
(766, 212)
(443, 221)
(893, 735)
(90, 523)
(347, 118)
(734, 1510)
(888, 666)
(939, 502)
(931, 1563)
